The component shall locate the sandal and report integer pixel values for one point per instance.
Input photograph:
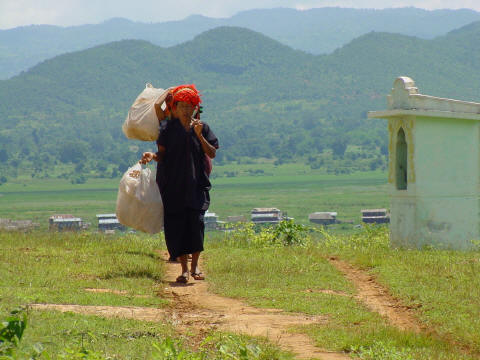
(197, 275)
(183, 279)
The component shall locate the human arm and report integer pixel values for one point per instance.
(165, 97)
(207, 148)
(149, 156)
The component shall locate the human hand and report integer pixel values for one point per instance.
(165, 97)
(146, 157)
(197, 127)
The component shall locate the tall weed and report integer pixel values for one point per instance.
(372, 238)
(217, 347)
(11, 333)
(285, 233)
(382, 351)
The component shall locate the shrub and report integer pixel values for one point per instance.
(11, 332)
(373, 237)
(286, 233)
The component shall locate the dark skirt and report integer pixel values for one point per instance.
(184, 232)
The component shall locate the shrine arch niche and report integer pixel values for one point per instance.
(401, 161)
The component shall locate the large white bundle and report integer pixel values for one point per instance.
(139, 204)
(142, 122)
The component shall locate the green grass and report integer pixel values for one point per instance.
(112, 338)
(290, 278)
(43, 267)
(37, 200)
(69, 336)
(442, 286)
(300, 191)
(56, 267)
(293, 188)
(47, 267)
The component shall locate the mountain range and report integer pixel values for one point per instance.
(262, 98)
(316, 31)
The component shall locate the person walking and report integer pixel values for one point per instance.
(182, 177)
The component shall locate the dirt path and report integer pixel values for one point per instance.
(377, 298)
(193, 307)
(125, 312)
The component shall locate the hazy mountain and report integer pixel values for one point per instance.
(316, 31)
(262, 98)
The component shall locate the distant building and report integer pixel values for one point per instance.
(211, 220)
(52, 218)
(375, 216)
(108, 223)
(266, 216)
(66, 224)
(323, 218)
(17, 225)
(106, 216)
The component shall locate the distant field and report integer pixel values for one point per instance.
(293, 188)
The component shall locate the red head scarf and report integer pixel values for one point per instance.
(186, 93)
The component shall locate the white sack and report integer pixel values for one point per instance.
(139, 204)
(142, 122)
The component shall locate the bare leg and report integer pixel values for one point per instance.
(194, 264)
(183, 263)
(197, 275)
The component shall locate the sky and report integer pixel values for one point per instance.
(15, 13)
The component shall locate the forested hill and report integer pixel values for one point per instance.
(316, 31)
(262, 98)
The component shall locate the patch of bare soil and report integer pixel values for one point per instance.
(124, 312)
(103, 291)
(194, 308)
(193, 305)
(328, 291)
(113, 291)
(377, 298)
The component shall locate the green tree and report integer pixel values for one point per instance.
(339, 145)
(73, 151)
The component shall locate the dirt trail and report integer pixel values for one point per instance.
(193, 307)
(125, 312)
(377, 298)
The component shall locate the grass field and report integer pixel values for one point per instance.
(293, 188)
(442, 287)
(42, 267)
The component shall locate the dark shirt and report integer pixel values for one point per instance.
(181, 174)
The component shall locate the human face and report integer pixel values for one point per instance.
(184, 110)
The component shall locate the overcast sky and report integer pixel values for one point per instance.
(15, 13)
